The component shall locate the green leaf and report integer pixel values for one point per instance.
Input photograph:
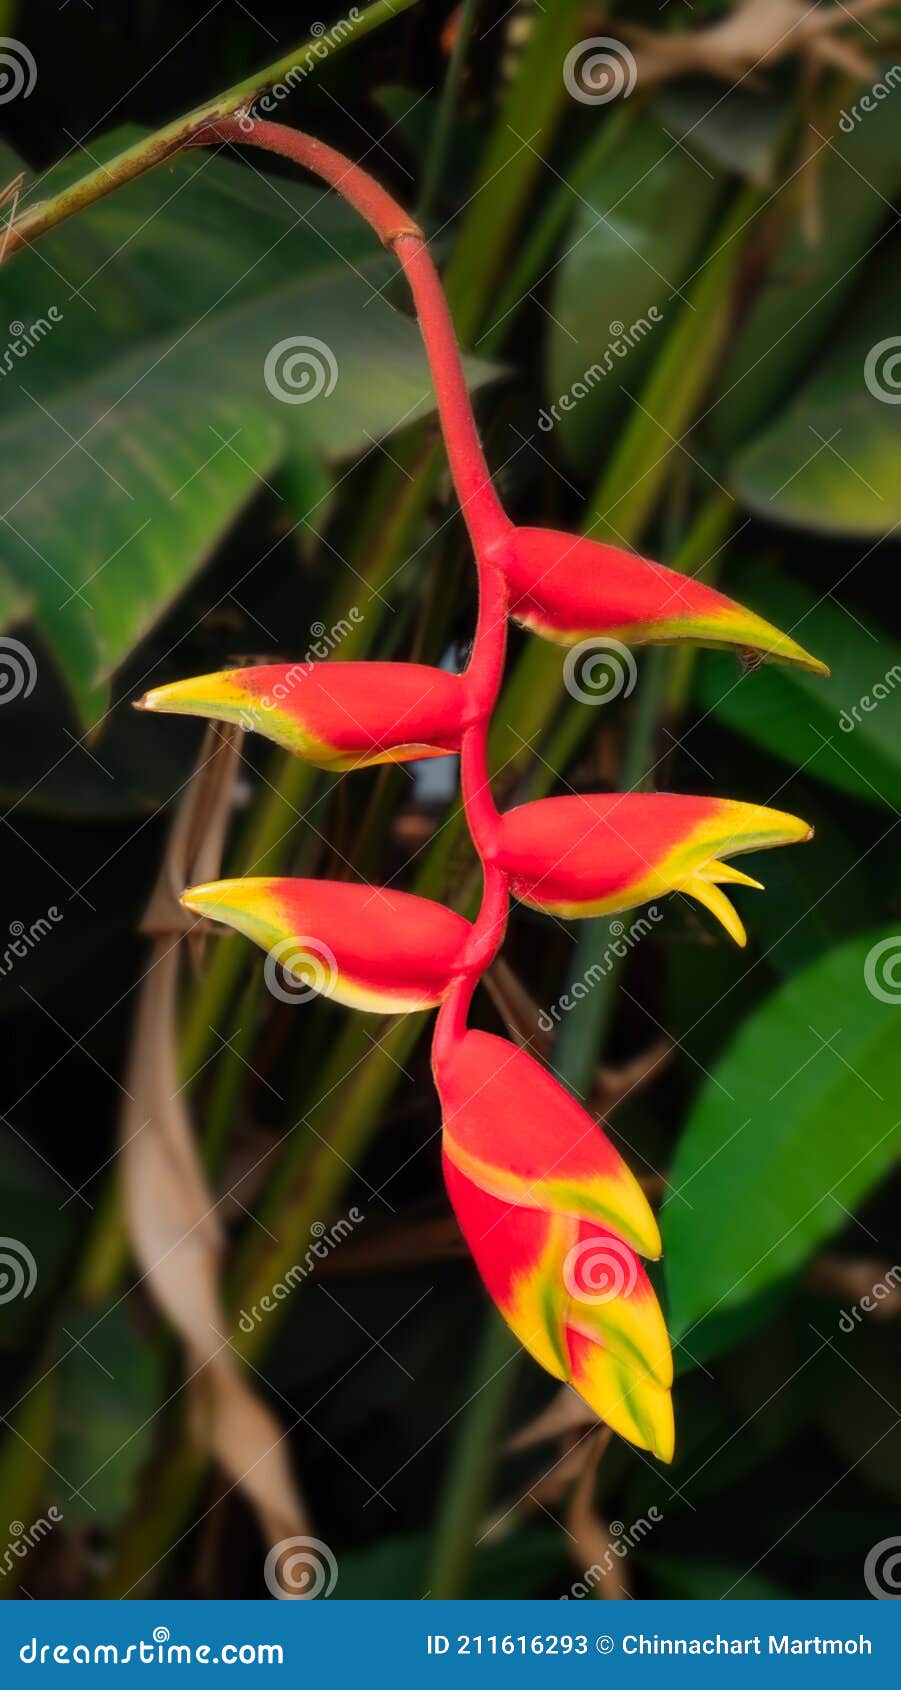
(796, 1124)
(134, 433)
(637, 229)
(40, 1228)
(110, 1384)
(741, 132)
(846, 730)
(830, 462)
(858, 176)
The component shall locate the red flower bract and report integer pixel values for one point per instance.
(366, 946)
(592, 855)
(570, 589)
(336, 715)
(554, 1220)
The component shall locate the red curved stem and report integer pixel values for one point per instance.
(482, 510)
(486, 520)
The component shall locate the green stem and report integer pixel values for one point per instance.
(582, 1034)
(468, 1476)
(153, 149)
(433, 174)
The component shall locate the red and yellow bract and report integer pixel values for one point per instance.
(366, 946)
(554, 1219)
(569, 589)
(593, 855)
(335, 715)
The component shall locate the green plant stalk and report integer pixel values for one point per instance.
(22, 1470)
(628, 491)
(436, 158)
(468, 1477)
(526, 123)
(153, 149)
(581, 1035)
(551, 224)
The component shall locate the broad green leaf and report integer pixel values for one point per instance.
(845, 730)
(636, 232)
(741, 131)
(392, 1568)
(796, 1124)
(829, 462)
(110, 1387)
(39, 1226)
(133, 434)
(686, 1579)
(857, 176)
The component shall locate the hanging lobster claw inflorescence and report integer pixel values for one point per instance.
(556, 1222)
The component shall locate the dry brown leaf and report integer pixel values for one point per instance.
(517, 1008)
(172, 1215)
(611, 1085)
(592, 1544)
(851, 1279)
(566, 1412)
(755, 35)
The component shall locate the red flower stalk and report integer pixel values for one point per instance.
(554, 1219)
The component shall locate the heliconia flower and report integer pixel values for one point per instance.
(593, 855)
(554, 1219)
(366, 946)
(569, 589)
(336, 715)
